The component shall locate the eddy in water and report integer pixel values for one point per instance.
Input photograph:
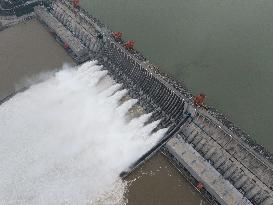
(67, 139)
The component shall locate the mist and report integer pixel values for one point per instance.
(65, 140)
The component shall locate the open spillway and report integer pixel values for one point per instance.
(203, 144)
(66, 140)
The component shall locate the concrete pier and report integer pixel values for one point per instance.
(74, 43)
(214, 182)
(235, 161)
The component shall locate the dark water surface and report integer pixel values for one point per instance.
(222, 48)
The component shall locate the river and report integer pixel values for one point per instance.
(31, 56)
(27, 50)
(221, 48)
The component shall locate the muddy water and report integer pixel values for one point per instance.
(159, 183)
(27, 50)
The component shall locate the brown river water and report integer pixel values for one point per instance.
(27, 50)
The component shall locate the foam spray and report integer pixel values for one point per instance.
(66, 140)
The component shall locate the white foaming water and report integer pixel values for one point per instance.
(67, 139)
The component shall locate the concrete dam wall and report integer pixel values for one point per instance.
(204, 148)
(234, 160)
(144, 84)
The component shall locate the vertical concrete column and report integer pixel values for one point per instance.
(241, 182)
(197, 139)
(191, 137)
(220, 161)
(226, 165)
(211, 151)
(237, 175)
(253, 192)
(230, 171)
(248, 186)
(207, 146)
(200, 145)
(216, 156)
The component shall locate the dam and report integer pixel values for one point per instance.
(211, 152)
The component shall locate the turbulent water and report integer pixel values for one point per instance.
(66, 140)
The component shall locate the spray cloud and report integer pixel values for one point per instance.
(67, 139)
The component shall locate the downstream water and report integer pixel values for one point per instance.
(221, 48)
(25, 51)
(67, 139)
(33, 56)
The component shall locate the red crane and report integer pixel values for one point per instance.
(199, 100)
(66, 46)
(117, 35)
(75, 3)
(129, 45)
(199, 186)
